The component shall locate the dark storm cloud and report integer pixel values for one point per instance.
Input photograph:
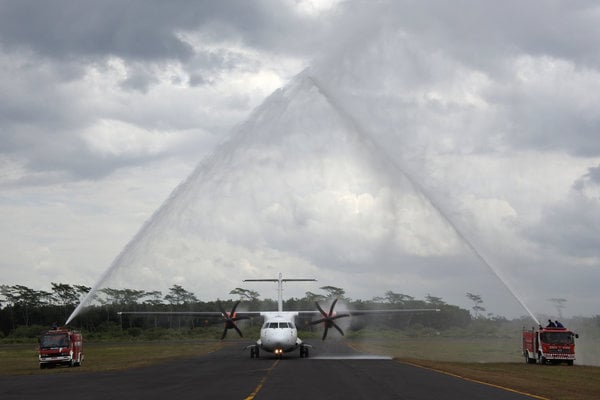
(142, 30)
(572, 225)
(548, 115)
(48, 47)
(58, 29)
(555, 43)
(550, 120)
(479, 32)
(591, 177)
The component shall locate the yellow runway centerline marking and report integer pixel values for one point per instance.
(262, 381)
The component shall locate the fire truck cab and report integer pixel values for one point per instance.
(549, 345)
(60, 346)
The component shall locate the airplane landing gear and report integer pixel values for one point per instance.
(303, 352)
(254, 352)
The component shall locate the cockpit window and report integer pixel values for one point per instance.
(278, 325)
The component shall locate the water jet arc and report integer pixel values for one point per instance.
(361, 132)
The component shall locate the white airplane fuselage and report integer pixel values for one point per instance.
(278, 333)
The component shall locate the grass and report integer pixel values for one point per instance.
(21, 359)
(556, 382)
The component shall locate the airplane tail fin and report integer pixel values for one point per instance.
(280, 281)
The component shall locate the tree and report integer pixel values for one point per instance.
(10, 298)
(333, 291)
(178, 295)
(477, 300)
(313, 297)
(155, 298)
(435, 301)
(82, 290)
(64, 294)
(397, 298)
(245, 294)
(123, 296)
(23, 298)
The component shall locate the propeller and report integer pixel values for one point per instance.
(229, 318)
(328, 319)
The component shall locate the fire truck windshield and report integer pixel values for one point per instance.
(557, 337)
(51, 341)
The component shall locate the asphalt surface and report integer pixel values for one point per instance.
(334, 371)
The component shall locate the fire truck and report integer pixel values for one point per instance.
(60, 346)
(549, 345)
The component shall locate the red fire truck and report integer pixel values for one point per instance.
(550, 345)
(60, 346)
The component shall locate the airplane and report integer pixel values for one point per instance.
(279, 333)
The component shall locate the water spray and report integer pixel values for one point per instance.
(370, 141)
(184, 190)
(166, 209)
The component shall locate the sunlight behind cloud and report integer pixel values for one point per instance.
(314, 8)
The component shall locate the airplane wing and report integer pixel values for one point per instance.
(214, 314)
(355, 313)
(228, 318)
(328, 318)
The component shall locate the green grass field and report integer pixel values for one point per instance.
(21, 359)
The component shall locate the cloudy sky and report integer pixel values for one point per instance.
(412, 145)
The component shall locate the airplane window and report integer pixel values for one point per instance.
(292, 325)
(273, 325)
(283, 325)
(266, 325)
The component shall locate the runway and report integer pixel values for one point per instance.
(334, 371)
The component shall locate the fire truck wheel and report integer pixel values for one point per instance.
(529, 360)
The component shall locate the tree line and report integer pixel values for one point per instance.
(21, 306)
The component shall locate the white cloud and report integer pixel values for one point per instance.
(314, 8)
(116, 138)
